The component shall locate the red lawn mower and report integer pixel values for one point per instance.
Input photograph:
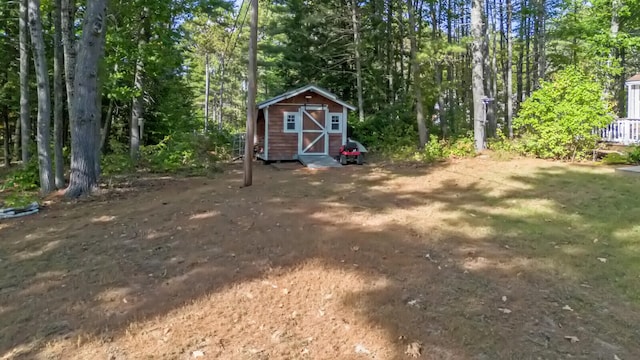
(351, 152)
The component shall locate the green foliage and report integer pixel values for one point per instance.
(18, 199)
(615, 159)
(462, 147)
(19, 187)
(434, 150)
(187, 154)
(634, 155)
(23, 178)
(117, 163)
(388, 132)
(558, 119)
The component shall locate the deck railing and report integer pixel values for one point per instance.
(621, 131)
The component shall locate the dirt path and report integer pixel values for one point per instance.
(353, 263)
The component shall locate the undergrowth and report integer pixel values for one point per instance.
(19, 187)
(183, 154)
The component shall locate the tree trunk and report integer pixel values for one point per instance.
(207, 77)
(44, 97)
(107, 126)
(450, 68)
(16, 141)
(356, 46)
(7, 135)
(477, 80)
(435, 34)
(620, 99)
(58, 96)
(494, 70)
(610, 89)
(390, 54)
(68, 10)
(520, 71)
(415, 74)
(542, 57)
(137, 106)
(220, 96)
(527, 58)
(536, 45)
(84, 157)
(509, 84)
(251, 87)
(5, 48)
(25, 116)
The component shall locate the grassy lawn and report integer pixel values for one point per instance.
(472, 259)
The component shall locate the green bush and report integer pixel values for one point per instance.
(435, 150)
(463, 147)
(634, 155)
(25, 178)
(18, 199)
(558, 119)
(391, 133)
(117, 163)
(615, 159)
(191, 154)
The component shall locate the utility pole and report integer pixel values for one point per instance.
(251, 102)
(206, 92)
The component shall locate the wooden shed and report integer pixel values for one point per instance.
(302, 122)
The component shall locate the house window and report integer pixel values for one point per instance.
(335, 124)
(290, 122)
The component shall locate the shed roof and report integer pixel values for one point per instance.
(634, 78)
(289, 94)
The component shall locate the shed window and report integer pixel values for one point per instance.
(336, 122)
(290, 122)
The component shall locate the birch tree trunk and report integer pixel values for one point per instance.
(84, 128)
(58, 97)
(509, 83)
(356, 45)
(25, 118)
(477, 78)
(415, 74)
(137, 106)
(67, 18)
(44, 98)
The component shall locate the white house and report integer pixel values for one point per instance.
(633, 96)
(626, 131)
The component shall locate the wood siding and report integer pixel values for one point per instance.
(335, 141)
(284, 146)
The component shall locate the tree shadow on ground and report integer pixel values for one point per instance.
(432, 253)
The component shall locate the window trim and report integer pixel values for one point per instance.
(285, 119)
(330, 125)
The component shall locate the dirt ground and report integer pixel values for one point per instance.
(470, 259)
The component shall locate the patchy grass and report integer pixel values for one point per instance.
(468, 259)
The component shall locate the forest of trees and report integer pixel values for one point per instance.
(81, 80)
